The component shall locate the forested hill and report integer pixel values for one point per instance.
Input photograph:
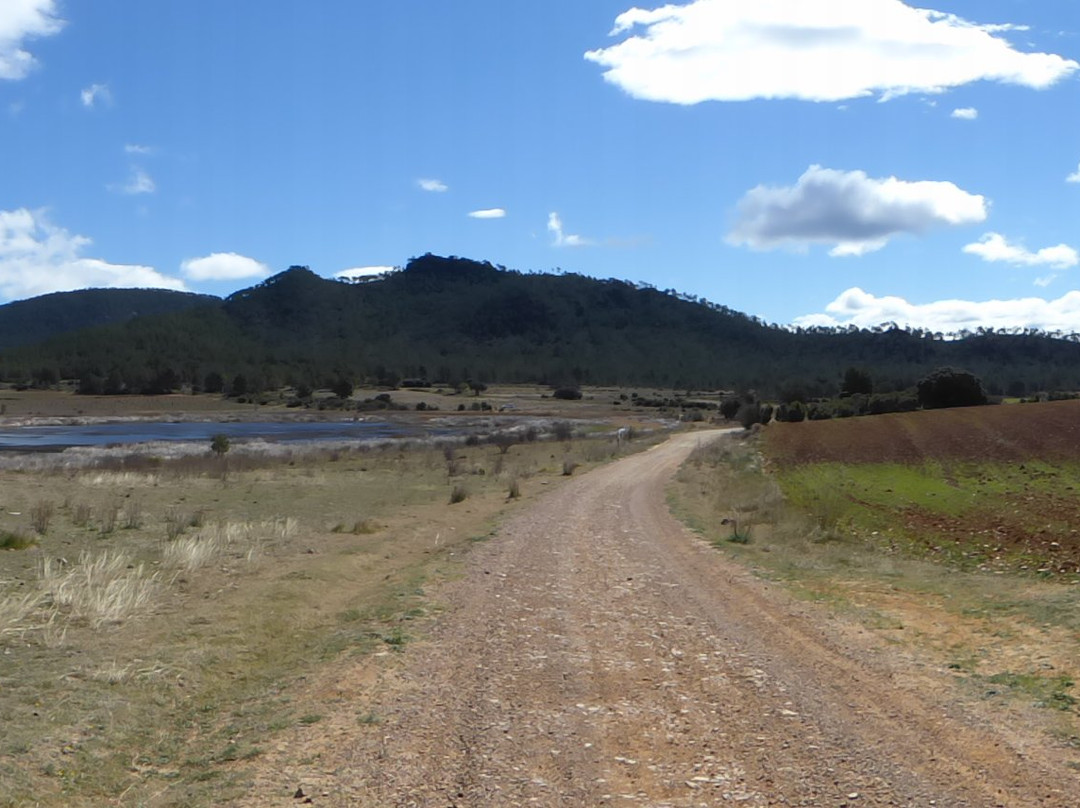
(25, 322)
(446, 320)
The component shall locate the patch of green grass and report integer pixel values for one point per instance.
(1052, 692)
(15, 540)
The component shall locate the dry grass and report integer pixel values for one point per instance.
(157, 665)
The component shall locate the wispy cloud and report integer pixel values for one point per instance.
(560, 238)
(854, 213)
(227, 266)
(95, 93)
(135, 148)
(995, 247)
(862, 309)
(488, 213)
(433, 186)
(38, 257)
(139, 182)
(965, 113)
(812, 50)
(22, 20)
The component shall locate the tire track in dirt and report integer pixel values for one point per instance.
(596, 653)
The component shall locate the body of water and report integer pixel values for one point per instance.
(55, 438)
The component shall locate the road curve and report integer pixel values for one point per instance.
(597, 653)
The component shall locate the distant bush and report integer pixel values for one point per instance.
(791, 413)
(458, 494)
(729, 407)
(949, 387)
(567, 393)
(749, 414)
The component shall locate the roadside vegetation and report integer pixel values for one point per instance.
(158, 617)
(964, 556)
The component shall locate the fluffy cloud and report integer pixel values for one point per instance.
(995, 247)
(849, 210)
(813, 50)
(434, 186)
(223, 267)
(859, 308)
(21, 20)
(37, 257)
(1075, 176)
(489, 213)
(361, 273)
(965, 113)
(561, 238)
(95, 92)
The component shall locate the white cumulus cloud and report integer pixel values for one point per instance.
(865, 310)
(995, 247)
(434, 186)
(95, 92)
(965, 113)
(1075, 176)
(559, 237)
(228, 266)
(38, 257)
(812, 50)
(361, 273)
(854, 213)
(488, 213)
(21, 20)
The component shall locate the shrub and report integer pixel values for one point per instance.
(567, 393)
(568, 467)
(729, 408)
(514, 489)
(15, 540)
(219, 444)
(458, 494)
(766, 413)
(41, 514)
(949, 387)
(749, 414)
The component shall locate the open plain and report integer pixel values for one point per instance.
(519, 624)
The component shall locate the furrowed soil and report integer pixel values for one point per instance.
(1006, 433)
(596, 652)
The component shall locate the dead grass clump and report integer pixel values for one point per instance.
(97, 590)
(80, 514)
(110, 513)
(568, 467)
(514, 489)
(41, 514)
(238, 539)
(133, 514)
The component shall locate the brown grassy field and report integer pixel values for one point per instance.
(158, 619)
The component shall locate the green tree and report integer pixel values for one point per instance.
(949, 387)
(856, 380)
(219, 444)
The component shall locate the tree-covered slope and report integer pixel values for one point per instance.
(25, 322)
(449, 319)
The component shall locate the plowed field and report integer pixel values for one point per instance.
(1007, 433)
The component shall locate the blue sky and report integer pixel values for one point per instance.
(804, 161)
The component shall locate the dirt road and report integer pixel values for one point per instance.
(597, 653)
